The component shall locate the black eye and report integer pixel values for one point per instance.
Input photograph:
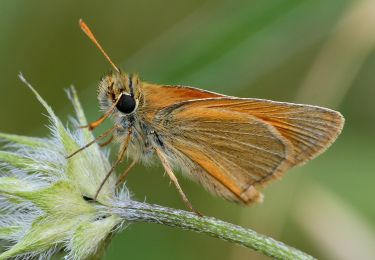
(126, 104)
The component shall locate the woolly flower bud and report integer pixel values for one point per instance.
(45, 204)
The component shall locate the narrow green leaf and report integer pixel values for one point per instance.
(71, 204)
(72, 94)
(15, 160)
(44, 232)
(5, 232)
(91, 234)
(27, 164)
(14, 186)
(24, 140)
(68, 142)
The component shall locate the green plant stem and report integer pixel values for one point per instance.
(133, 211)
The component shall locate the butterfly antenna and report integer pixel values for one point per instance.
(89, 33)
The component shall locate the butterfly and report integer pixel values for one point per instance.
(230, 145)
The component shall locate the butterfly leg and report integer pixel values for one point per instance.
(123, 176)
(120, 157)
(91, 126)
(173, 178)
(103, 135)
(106, 142)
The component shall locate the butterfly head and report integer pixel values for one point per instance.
(120, 90)
(117, 89)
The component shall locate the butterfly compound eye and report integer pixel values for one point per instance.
(126, 104)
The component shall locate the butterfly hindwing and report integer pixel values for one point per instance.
(237, 150)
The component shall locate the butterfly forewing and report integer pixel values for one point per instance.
(157, 97)
(236, 143)
(310, 129)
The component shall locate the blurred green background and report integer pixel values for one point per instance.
(318, 52)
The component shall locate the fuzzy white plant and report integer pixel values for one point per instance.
(42, 194)
(45, 204)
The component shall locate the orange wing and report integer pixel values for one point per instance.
(310, 129)
(231, 144)
(157, 97)
(227, 152)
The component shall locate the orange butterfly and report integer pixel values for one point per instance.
(230, 145)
